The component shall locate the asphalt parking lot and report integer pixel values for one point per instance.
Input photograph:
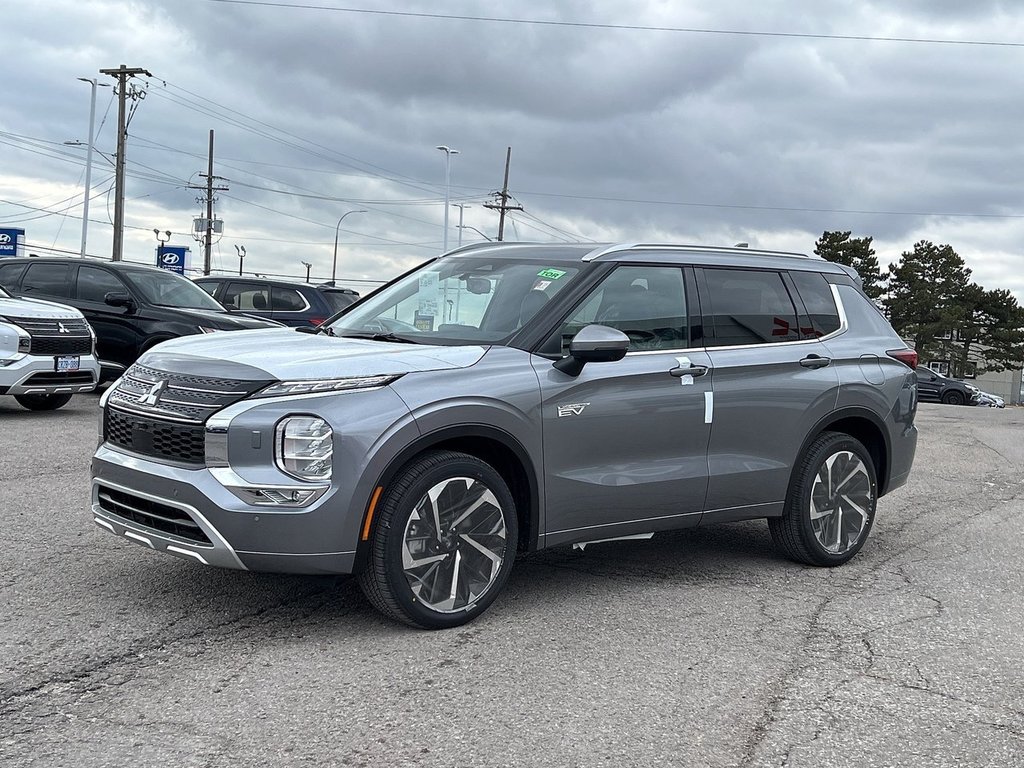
(701, 647)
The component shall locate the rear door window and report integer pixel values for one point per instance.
(748, 306)
(48, 280)
(247, 296)
(94, 284)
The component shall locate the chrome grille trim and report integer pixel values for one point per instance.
(45, 326)
(185, 399)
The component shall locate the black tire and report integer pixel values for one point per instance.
(805, 522)
(953, 397)
(42, 402)
(465, 482)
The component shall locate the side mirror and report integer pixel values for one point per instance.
(593, 344)
(119, 299)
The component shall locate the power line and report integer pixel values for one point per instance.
(791, 209)
(624, 27)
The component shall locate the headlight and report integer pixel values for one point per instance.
(972, 388)
(204, 329)
(303, 447)
(324, 385)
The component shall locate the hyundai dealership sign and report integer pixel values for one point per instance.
(12, 242)
(172, 257)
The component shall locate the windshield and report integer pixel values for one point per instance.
(459, 299)
(166, 289)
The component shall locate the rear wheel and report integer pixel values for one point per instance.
(954, 398)
(444, 541)
(42, 402)
(831, 503)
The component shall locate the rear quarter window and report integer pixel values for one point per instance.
(286, 300)
(9, 274)
(819, 303)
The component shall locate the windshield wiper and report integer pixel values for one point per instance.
(315, 329)
(380, 337)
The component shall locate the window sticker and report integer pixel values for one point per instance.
(541, 285)
(551, 274)
(429, 294)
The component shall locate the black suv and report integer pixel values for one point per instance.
(131, 307)
(936, 388)
(291, 303)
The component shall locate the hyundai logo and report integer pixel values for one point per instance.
(5, 239)
(169, 258)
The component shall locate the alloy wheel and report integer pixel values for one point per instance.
(841, 500)
(454, 544)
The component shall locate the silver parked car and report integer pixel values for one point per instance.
(47, 352)
(510, 397)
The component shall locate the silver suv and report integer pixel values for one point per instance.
(506, 398)
(47, 352)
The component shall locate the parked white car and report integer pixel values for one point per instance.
(989, 400)
(47, 352)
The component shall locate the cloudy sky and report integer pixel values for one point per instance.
(677, 121)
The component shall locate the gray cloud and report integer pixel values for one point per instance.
(772, 139)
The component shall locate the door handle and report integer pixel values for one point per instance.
(815, 361)
(691, 370)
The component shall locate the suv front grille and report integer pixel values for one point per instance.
(176, 396)
(48, 345)
(56, 337)
(58, 378)
(151, 514)
(184, 443)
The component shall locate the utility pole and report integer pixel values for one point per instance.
(122, 74)
(209, 189)
(504, 206)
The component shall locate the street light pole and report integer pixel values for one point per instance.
(161, 241)
(334, 264)
(241, 255)
(88, 159)
(462, 209)
(448, 152)
(308, 267)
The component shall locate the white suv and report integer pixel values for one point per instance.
(47, 352)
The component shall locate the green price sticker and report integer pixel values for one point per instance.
(550, 274)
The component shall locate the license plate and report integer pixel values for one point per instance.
(67, 363)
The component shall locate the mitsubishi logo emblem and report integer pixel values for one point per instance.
(61, 328)
(153, 395)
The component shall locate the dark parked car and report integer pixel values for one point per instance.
(130, 307)
(936, 388)
(291, 303)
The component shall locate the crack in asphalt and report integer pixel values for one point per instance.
(143, 653)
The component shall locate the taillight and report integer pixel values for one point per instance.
(906, 356)
(316, 320)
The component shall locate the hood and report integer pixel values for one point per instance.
(37, 309)
(224, 320)
(287, 355)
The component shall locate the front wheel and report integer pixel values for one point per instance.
(444, 542)
(42, 402)
(954, 398)
(831, 503)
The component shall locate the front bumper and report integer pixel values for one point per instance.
(189, 514)
(35, 375)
